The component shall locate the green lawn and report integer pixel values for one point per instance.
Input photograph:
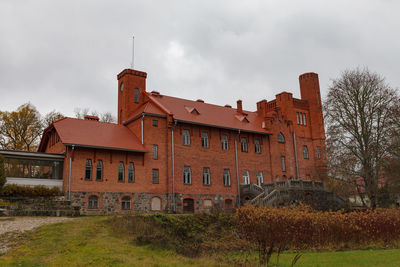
(88, 241)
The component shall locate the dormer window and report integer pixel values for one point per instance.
(242, 118)
(192, 110)
(281, 138)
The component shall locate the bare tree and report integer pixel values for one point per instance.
(360, 113)
(20, 129)
(51, 117)
(104, 117)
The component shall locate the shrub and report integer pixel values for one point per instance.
(13, 190)
(2, 172)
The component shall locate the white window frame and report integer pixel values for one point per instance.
(305, 152)
(304, 119)
(243, 144)
(260, 179)
(227, 177)
(224, 142)
(204, 140)
(246, 177)
(187, 175)
(185, 137)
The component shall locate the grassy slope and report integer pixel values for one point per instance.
(87, 241)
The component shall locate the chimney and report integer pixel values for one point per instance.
(239, 106)
(91, 118)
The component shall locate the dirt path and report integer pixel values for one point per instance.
(12, 228)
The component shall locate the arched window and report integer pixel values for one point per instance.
(187, 175)
(99, 170)
(126, 203)
(246, 177)
(136, 95)
(131, 172)
(121, 172)
(156, 203)
(227, 177)
(88, 169)
(93, 202)
(121, 88)
(260, 179)
(305, 152)
(257, 146)
(224, 141)
(243, 142)
(281, 138)
(185, 137)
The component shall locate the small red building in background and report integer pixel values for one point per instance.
(178, 155)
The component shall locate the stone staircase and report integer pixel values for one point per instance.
(289, 192)
(37, 207)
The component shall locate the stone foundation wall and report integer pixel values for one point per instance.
(111, 202)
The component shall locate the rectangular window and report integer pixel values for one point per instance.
(227, 177)
(224, 142)
(246, 177)
(298, 119)
(131, 172)
(301, 118)
(243, 142)
(204, 139)
(155, 176)
(206, 176)
(121, 172)
(136, 95)
(318, 149)
(99, 170)
(260, 179)
(257, 146)
(304, 119)
(187, 175)
(155, 123)
(155, 152)
(185, 137)
(88, 170)
(283, 163)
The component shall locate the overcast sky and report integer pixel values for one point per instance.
(60, 55)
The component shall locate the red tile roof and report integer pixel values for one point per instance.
(91, 133)
(209, 114)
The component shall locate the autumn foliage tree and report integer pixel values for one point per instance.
(20, 129)
(360, 114)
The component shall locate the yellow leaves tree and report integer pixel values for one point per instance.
(20, 129)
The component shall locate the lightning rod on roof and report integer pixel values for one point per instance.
(133, 50)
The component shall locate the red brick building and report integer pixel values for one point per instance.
(172, 154)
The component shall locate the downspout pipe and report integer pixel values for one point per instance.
(69, 172)
(142, 128)
(237, 168)
(173, 168)
(295, 155)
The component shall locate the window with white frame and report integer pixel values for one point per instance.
(260, 179)
(297, 116)
(283, 166)
(305, 152)
(227, 177)
(224, 142)
(185, 137)
(257, 146)
(243, 142)
(206, 176)
(187, 175)
(204, 139)
(304, 119)
(246, 177)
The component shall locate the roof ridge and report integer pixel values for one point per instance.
(158, 103)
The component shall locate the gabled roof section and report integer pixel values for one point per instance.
(209, 114)
(148, 108)
(90, 133)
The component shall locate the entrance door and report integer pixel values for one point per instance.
(188, 205)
